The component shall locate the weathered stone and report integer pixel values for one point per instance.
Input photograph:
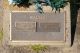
(33, 26)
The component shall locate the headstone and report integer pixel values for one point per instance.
(33, 26)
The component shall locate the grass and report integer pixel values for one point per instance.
(5, 4)
(1, 35)
(38, 48)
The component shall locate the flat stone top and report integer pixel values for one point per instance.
(33, 26)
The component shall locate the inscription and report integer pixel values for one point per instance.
(26, 26)
(48, 27)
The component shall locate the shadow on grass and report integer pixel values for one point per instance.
(74, 13)
(23, 5)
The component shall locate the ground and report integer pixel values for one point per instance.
(4, 48)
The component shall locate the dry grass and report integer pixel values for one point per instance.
(1, 38)
(5, 4)
(1, 35)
